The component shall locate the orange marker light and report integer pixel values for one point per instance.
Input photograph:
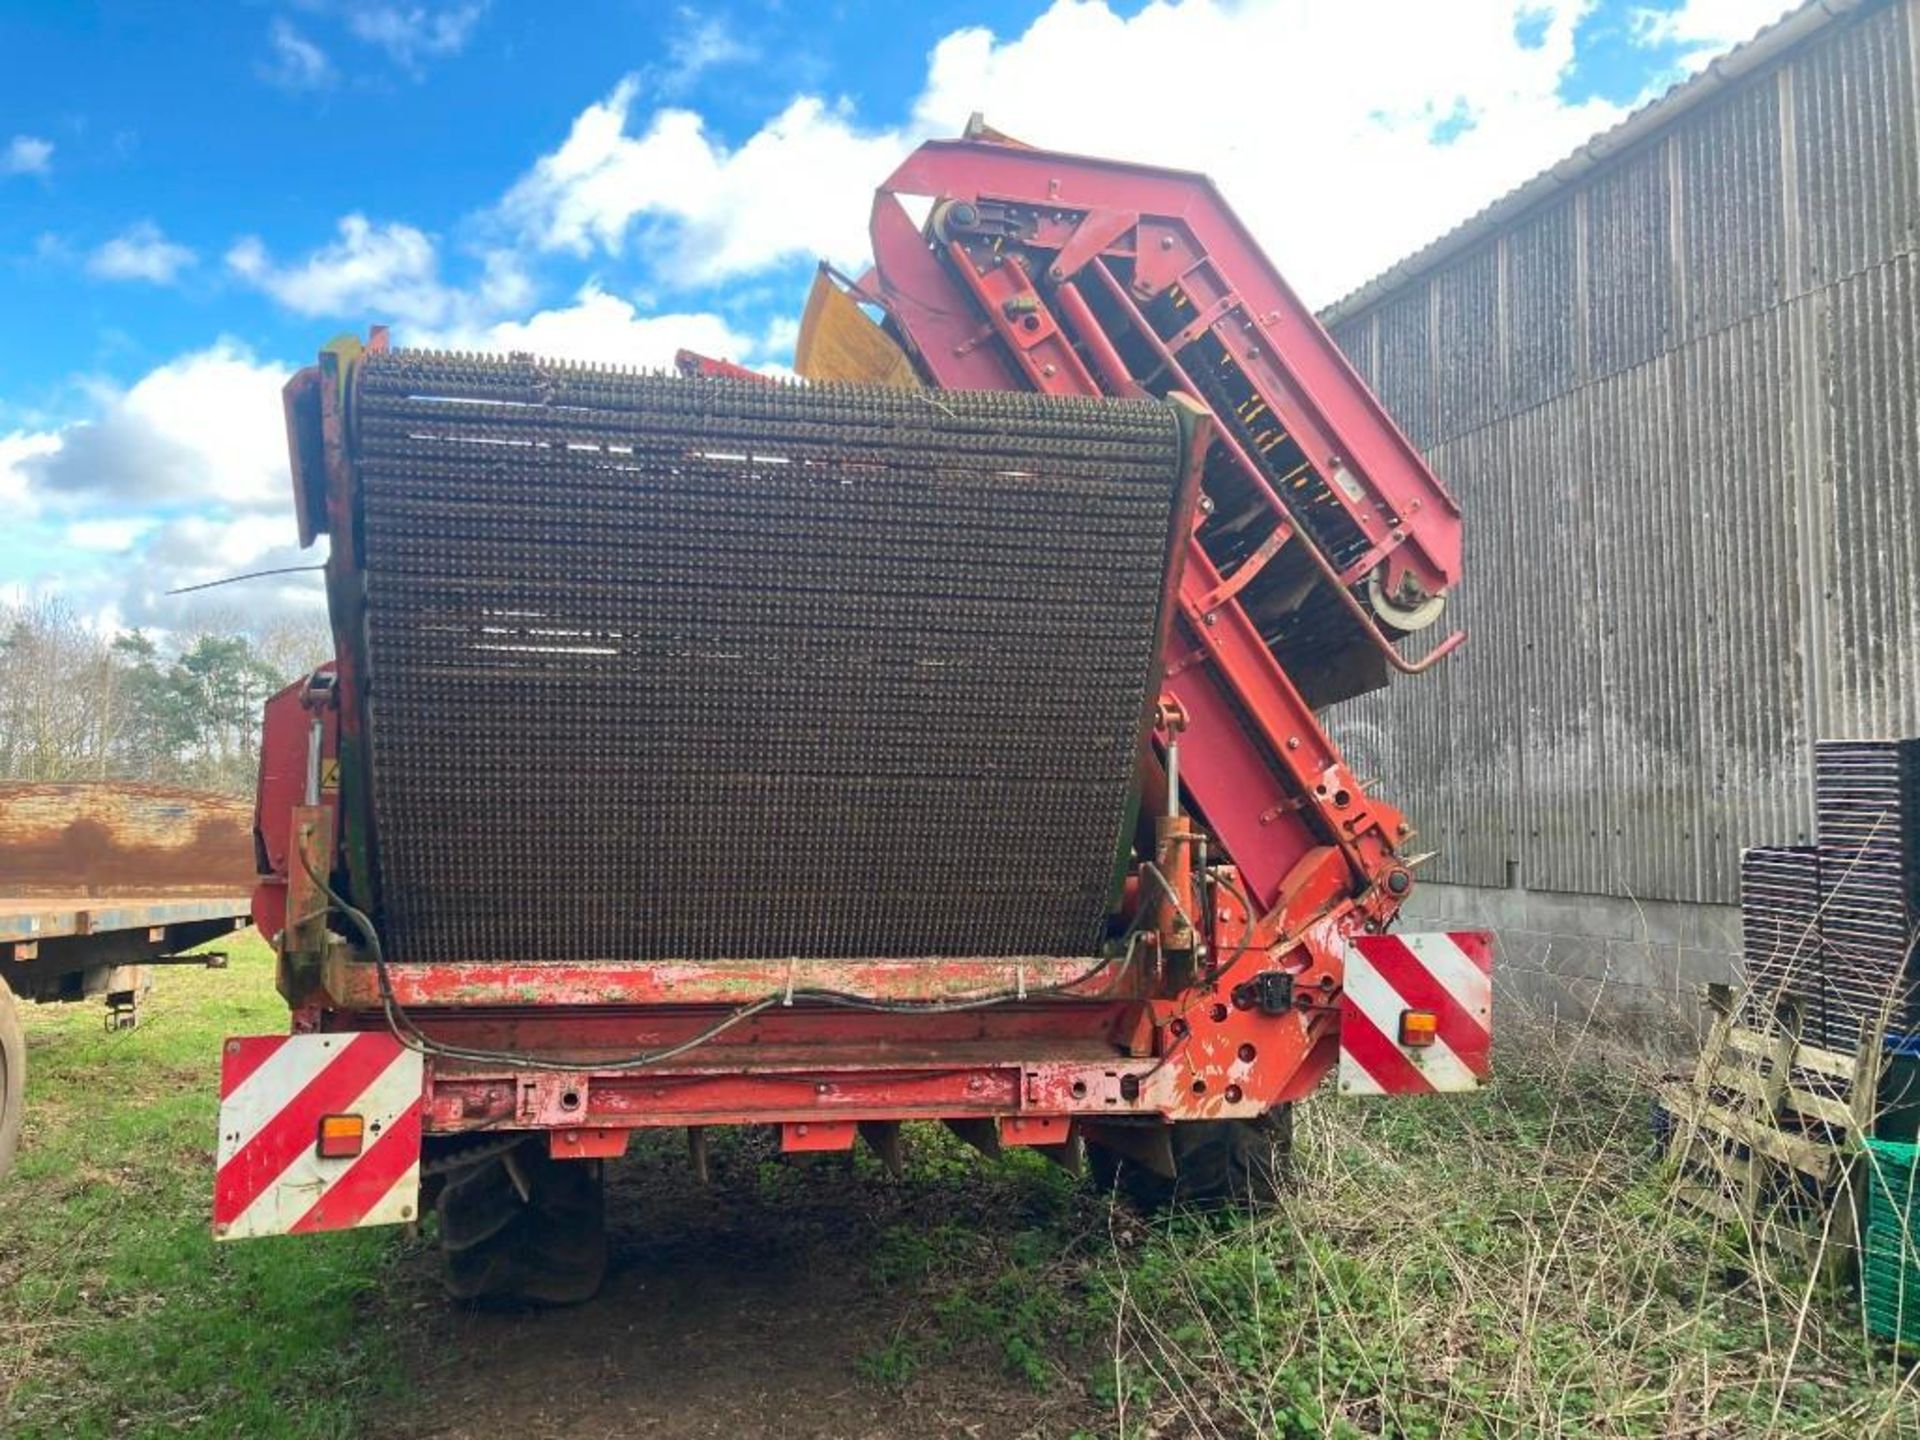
(1418, 1028)
(342, 1136)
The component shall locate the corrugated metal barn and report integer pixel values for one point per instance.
(1675, 383)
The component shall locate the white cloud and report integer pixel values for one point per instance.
(797, 188)
(296, 63)
(206, 429)
(1342, 153)
(27, 155)
(604, 329)
(411, 34)
(194, 549)
(389, 267)
(702, 43)
(141, 252)
(382, 272)
(783, 332)
(1704, 28)
(17, 449)
(111, 534)
(1339, 167)
(179, 478)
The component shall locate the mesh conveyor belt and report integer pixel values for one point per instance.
(663, 668)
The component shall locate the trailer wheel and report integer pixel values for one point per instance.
(519, 1227)
(13, 1077)
(1216, 1162)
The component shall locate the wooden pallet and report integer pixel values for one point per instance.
(1767, 1135)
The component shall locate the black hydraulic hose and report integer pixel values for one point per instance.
(410, 1035)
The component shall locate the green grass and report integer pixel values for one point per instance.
(1506, 1264)
(1503, 1265)
(118, 1314)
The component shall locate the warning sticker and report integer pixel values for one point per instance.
(330, 774)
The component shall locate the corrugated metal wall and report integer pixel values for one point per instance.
(1680, 403)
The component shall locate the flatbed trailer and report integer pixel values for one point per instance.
(98, 882)
(74, 947)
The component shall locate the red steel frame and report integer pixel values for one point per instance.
(1189, 1027)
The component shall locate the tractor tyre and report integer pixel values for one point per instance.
(13, 1077)
(521, 1228)
(1217, 1163)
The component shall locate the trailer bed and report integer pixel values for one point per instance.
(43, 917)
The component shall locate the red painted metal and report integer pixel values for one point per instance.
(1261, 770)
(1036, 1129)
(802, 1136)
(1449, 977)
(289, 763)
(596, 1142)
(1201, 1052)
(694, 365)
(351, 984)
(1053, 198)
(1034, 273)
(1338, 579)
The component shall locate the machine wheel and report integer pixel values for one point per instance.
(519, 1227)
(1216, 1163)
(13, 1077)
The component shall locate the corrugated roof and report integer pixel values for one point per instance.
(1789, 31)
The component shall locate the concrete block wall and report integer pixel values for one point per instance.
(1634, 967)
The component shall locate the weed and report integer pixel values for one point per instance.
(1505, 1264)
(1501, 1265)
(118, 1313)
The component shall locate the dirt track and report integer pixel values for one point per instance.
(742, 1308)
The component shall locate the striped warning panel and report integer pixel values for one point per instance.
(274, 1090)
(1448, 974)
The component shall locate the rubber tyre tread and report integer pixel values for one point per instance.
(13, 1077)
(497, 1248)
(475, 1206)
(1217, 1163)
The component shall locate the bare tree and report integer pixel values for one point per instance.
(77, 703)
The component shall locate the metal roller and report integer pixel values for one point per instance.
(691, 669)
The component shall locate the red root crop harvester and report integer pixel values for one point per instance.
(935, 739)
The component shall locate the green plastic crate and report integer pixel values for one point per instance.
(1890, 1278)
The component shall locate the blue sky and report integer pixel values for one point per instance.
(193, 198)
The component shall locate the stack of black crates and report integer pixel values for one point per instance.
(1829, 929)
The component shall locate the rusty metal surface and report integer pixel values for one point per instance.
(54, 917)
(121, 838)
(1708, 463)
(705, 669)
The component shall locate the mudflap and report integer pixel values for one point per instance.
(1447, 974)
(272, 1177)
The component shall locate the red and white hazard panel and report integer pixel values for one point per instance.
(1416, 1013)
(317, 1132)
